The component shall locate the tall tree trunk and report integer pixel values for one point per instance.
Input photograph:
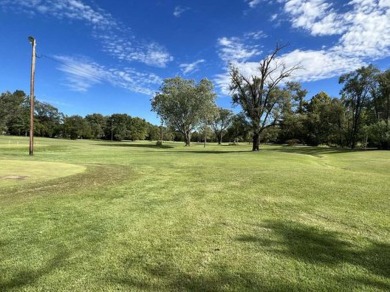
(355, 129)
(256, 141)
(219, 139)
(187, 138)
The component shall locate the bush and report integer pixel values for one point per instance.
(379, 135)
(292, 142)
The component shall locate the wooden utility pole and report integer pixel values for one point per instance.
(32, 76)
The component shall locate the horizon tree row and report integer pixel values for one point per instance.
(50, 122)
(270, 113)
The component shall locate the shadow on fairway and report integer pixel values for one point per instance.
(217, 278)
(210, 151)
(115, 144)
(30, 276)
(307, 150)
(315, 246)
(292, 240)
(315, 151)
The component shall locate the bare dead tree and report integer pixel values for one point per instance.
(259, 96)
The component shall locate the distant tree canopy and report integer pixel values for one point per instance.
(183, 105)
(220, 122)
(277, 114)
(358, 92)
(50, 122)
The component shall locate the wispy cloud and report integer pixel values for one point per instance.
(254, 35)
(191, 67)
(253, 3)
(116, 39)
(238, 48)
(66, 9)
(179, 10)
(82, 73)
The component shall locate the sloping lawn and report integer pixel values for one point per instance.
(131, 216)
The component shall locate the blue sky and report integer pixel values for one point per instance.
(111, 56)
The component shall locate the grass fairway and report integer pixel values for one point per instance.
(134, 217)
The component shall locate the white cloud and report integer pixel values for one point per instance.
(317, 16)
(364, 30)
(254, 35)
(317, 65)
(274, 17)
(234, 49)
(152, 54)
(363, 36)
(191, 67)
(82, 73)
(368, 33)
(179, 10)
(253, 3)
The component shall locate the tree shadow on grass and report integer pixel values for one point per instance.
(116, 144)
(315, 151)
(316, 246)
(25, 277)
(217, 278)
(307, 150)
(294, 240)
(211, 151)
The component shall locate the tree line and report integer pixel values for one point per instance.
(50, 122)
(272, 111)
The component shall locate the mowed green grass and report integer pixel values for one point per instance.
(133, 217)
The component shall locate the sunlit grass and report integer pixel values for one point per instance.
(219, 218)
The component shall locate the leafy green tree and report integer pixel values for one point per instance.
(117, 127)
(324, 121)
(183, 104)
(154, 133)
(205, 133)
(357, 93)
(294, 116)
(383, 97)
(14, 113)
(48, 120)
(240, 128)
(379, 134)
(97, 122)
(298, 95)
(259, 96)
(76, 127)
(221, 122)
(379, 128)
(137, 129)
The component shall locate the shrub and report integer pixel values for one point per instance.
(292, 142)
